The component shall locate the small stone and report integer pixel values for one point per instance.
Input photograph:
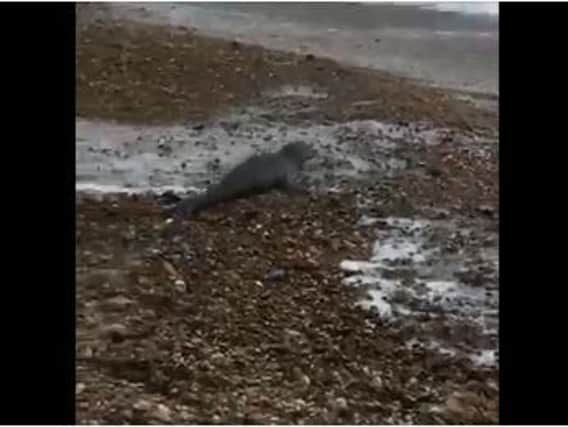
(441, 214)
(486, 210)
(79, 388)
(462, 404)
(127, 413)
(435, 172)
(162, 413)
(143, 280)
(87, 352)
(180, 285)
(454, 405)
(299, 404)
(119, 301)
(341, 403)
(116, 331)
(199, 127)
(377, 382)
(142, 405)
(276, 274)
(217, 356)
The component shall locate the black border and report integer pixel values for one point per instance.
(533, 360)
(38, 317)
(506, 399)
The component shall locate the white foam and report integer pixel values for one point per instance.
(466, 8)
(122, 158)
(391, 247)
(485, 358)
(432, 345)
(441, 286)
(356, 266)
(398, 250)
(90, 187)
(408, 224)
(432, 286)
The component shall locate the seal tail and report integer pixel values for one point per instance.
(187, 207)
(194, 205)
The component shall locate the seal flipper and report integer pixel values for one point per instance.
(192, 205)
(289, 183)
(185, 208)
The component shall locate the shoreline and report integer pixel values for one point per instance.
(455, 50)
(141, 71)
(261, 310)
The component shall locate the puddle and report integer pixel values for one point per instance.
(118, 158)
(437, 274)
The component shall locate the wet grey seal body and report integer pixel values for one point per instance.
(258, 174)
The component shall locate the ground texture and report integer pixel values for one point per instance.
(241, 316)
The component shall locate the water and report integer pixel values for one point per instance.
(117, 158)
(411, 273)
(422, 41)
(490, 9)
